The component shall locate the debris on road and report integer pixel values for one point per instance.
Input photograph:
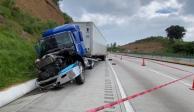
(113, 63)
(110, 59)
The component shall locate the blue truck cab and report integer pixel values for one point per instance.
(61, 53)
(68, 35)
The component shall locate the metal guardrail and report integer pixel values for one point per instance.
(171, 58)
(167, 55)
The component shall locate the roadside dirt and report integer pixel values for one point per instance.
(145, 47)
(43, 9)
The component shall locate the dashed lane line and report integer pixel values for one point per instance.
(127, 105)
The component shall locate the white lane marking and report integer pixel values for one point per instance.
(167, 76)
(127, 105)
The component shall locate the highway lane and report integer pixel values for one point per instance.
(166, 68)
(136, 78)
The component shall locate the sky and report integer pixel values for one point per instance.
(124, 21)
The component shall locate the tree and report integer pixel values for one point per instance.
(175, 32)
(114, 45)
(56, 2)
(67, 18)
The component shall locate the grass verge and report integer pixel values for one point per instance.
(16, 59)
(18, 32)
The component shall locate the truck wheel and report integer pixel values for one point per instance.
(81, 78)
(103, 58)
(91, 63)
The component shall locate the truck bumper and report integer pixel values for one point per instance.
(67, 74)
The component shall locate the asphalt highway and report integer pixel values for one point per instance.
(112, 80)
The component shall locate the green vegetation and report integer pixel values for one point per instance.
(176, 45)
(16, 59)
(67, 18)
(18, 33)
(181, 47)
(114, 48)
(56, 1)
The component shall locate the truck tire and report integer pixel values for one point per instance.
(81, 78)
(103, 58)
(91, 63)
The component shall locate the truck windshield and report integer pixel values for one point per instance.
(62, 40)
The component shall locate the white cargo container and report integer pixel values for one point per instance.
(94, 41)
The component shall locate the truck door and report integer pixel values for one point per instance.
(80, 47)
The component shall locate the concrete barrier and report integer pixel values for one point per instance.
(10, 94)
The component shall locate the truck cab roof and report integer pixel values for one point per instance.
(59, 29)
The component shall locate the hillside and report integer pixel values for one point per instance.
(160, 45)
(147, 45)
(43, 9)
(19, 30)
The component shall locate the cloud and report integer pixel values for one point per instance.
(166, 11)
(113, 7)
(189, 20)
(187, 6)
(102, 19)
(155, 9)
(127, 20)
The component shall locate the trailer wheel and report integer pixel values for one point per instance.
(81, 78)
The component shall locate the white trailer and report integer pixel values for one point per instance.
(94, 41)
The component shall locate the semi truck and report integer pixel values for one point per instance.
(64, 52)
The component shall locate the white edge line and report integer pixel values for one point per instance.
(167, 76)
(127, 105)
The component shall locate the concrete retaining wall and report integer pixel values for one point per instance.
(15, 92)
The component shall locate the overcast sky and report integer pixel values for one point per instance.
(125, 21)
